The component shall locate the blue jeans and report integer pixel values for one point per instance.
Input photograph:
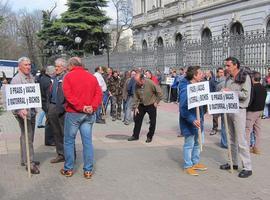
(73, 123)
(40, 118)
(191, 151)
(223, 141)
(128, 109)
(252, 139)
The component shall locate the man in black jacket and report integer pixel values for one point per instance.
(56, 110)
(254, 111)
(45, 81)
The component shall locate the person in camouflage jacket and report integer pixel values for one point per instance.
(115, 87)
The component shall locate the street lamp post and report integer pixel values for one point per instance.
(78, 41)
(107, 29)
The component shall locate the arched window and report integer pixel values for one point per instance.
(144, 45)
(206, 46)
(179, 50)
(160, 53)
(268, 43)
(236, 42)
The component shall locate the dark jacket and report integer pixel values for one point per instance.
(258, 100)
(60, 99)
(187, 116)
(44, 82)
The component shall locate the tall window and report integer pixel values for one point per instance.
(206, 47)
(179, 50)
(268, 43)
(236, 42)
(143, 6)
(158, 3)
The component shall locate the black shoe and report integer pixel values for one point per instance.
(101, 121)
(132, 138)
(245, 173)
(41, 126)
(148, 140)
(34, 169)
(58, 159)
(35, 163)
(50, 145)
(228, 167)
(213, 132)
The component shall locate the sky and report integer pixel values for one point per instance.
(48, 4)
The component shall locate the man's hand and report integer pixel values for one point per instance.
(22, 113)
(226, 90)
(156, 104)
(136, 111)
(88, 109)
(197, 123)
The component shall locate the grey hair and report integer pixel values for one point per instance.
(75, 61)
(20, 60)
(61, 61)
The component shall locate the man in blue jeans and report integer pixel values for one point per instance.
(83, 97)
(189, 124)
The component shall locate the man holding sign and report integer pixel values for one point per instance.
(189, 124)
(240, 83)
(24, 77)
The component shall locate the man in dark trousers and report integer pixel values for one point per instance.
(146, 98)
(45, 82)
(56, 110)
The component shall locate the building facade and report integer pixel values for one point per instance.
(180, 33)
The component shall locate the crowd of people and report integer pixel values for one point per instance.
(73, 99)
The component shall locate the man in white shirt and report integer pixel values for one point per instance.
(98, 74)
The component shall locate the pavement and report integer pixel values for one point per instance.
(131, 170)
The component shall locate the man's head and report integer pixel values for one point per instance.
(99, 70)
(148, 74)
(194, 74)
(73, 62)
(174, 74)
(232, 66)
(139, 78)
(256, 78)
(132, 73)
(60, 66)
(24, 65)
(208, 74)
(220, 72)
(115, 74)
(50, 70)
(109, 71)
(181, 71)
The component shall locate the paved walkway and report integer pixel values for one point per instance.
(131, 170)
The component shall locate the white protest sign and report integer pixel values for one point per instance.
(22, 96)
(223, 102)
(198, 94)
(169, 80)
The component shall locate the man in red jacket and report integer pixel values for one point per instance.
(83, 97)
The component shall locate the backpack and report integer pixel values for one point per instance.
(241, 78)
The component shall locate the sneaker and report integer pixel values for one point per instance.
(191, 171)
(66, 173)
(87, 174)
(200, 167)
(213, 132)
(256, 151)
(58, 159)
(245, 173)
(113, 119)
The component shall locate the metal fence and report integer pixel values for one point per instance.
(251, 48)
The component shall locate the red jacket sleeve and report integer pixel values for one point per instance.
(70, 97)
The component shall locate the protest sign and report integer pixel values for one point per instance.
(198, 94)
(22, 96)
(223, 102)
(169, 80)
